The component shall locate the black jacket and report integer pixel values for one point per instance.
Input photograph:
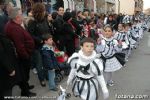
(37, 29)
(58, 23)
(3, 21)
(8, 63)
(68, 32)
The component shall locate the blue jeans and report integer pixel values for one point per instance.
(51, 79)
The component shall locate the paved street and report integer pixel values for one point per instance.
(133, 80)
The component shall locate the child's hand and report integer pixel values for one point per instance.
(120, 42)
(106, 95)
(99, 41)
(65, 58)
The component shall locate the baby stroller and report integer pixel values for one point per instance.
(64, 68)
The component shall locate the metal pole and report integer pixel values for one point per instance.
(118, 6)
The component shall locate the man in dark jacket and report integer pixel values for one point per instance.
(68, 33)
(58, 23)
(8, 67)
(24, 45)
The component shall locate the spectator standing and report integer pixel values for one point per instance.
(37, 28)
(69, 34)
(58, 23)
(24, 45)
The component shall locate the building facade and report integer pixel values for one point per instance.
(109, 6)
(126, 6)
(138, 6)
(100, 5)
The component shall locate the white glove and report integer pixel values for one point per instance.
(71, 75)
(106, 95)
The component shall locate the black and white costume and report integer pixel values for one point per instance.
(108, 48)
(86, 75)
(122, 36)
(126, 19)
(132, 39)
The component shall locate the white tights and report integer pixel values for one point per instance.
(108, 76)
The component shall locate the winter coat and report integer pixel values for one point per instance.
(21, 38)
(37, 29)
(8, 63)
(48, 58)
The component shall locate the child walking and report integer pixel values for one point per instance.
(49, 60)
(109, 47)
(87, 72)
(122, 36)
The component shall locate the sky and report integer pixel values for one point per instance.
(146, 4)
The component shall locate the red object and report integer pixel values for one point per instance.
(61, 59)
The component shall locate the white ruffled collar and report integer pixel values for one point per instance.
(84, 60)
(108, 39)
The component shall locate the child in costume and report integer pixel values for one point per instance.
(122, 36)
(87, 72)
(110, 49)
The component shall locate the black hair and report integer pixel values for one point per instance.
(128, 24)
(87, 39)
(67, 16)
(54, 15)
(79, 12)
(74, 13)
(46, 36)
(59, 8)
(28, 10)
(123, 25)
(2, 2)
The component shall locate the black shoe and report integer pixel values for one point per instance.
(31, 87)
(43, 84)
(29, 94)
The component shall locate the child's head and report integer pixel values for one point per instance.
(108, 31)
(120, 27)
(127, 26)
(92, 24)
(47, 39)
(49, 17)
(87, 46)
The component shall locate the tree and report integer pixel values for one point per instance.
(59, 3)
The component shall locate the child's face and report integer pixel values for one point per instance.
(127, 28)
(120, 27)
(92, 24)
(49, 41)
(108, 32)
(87, 48)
